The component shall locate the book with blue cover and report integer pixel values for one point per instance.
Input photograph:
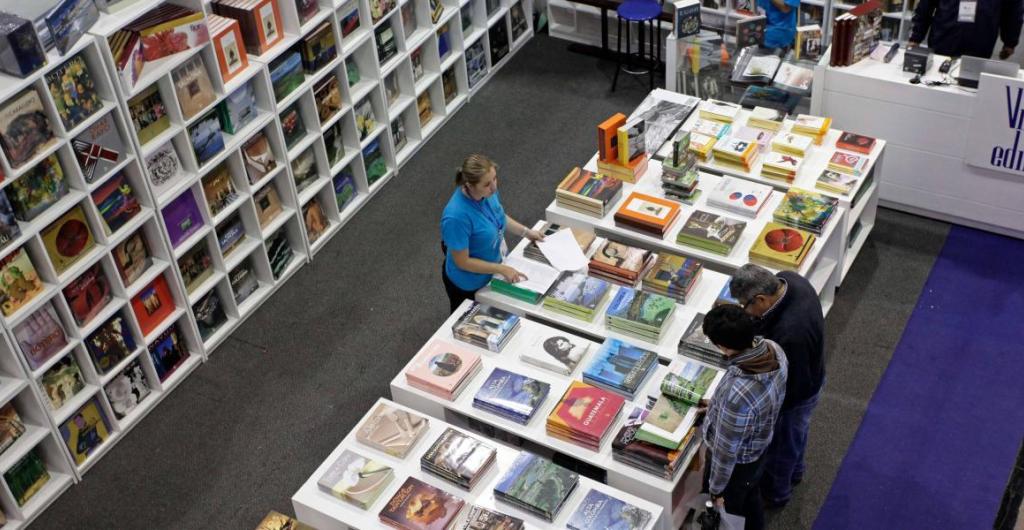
(511, 395)
(620, 367)
(600, 510)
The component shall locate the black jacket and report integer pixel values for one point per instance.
(798, 325)
(946, 36)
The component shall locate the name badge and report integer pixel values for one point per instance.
(967, 9)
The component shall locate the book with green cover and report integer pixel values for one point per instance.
(577, 295)
(711, 232)
(638, 313)
(26, 477)
(689, 383)
(805, 209)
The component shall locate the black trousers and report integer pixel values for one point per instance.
(455, 294)
(742, 494)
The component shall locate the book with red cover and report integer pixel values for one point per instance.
(856, 142)
(442, 368)
(584, 414)
(153, 304)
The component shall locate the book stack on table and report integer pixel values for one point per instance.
(486, 327)
(587, 192)
(620, 263)
(639, 313)
(696, 344)
(540, 278)
(673, 276)
(536, 485)
(458, 458)
(647, 213)
(443, 369)
(620, 367)
(711, 232)
(584, 415)
(805, 210)
(577, 295)
(512, 396)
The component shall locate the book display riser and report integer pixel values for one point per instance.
(533, 436)
(323, 511)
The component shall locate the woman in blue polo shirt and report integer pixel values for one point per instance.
(473, 230)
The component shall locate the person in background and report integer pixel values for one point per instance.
(788, 312)
(741, 414)
(963, 27)
(780, 32)
(473, 228)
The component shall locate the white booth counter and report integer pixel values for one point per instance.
(929, 129)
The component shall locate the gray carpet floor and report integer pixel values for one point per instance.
(243, 432)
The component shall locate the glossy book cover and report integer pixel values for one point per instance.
(586, 409)
(458, 455)
(621, 256)
(673, 273)
(116, 202)
(356, 479)
(599, 510)
(62, 381)
(580, 290)
(392, 430)
(99, 148)
(648, 309)
(168, 353)
(128, 389)
(486, 324)
(110, 344)
(537, 482)
(153, 304)
(419, 506)
(40, 336)
(38, 189)
(24, 127)
(512, 392)
(19, 281)
(443, 365)
(621, 365)
(88, 294)
(713, 227)
(68, 239)
(806, 207)
(182, 218)
(85, 430)
(74, 93)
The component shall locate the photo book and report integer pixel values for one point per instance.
(88, 294)
(110, 344)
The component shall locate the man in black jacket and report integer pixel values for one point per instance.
(968, 27)
(790, 314)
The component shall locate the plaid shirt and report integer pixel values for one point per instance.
(741, 415)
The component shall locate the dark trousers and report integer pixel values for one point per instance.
(455, 294)
(741, 493)
(784, 458)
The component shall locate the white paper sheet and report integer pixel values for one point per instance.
(562, 251)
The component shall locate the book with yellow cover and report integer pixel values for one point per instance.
(702, 144)
(631, 141)
(791, 143)
(781, 246)
(628, 173)
(68, 239)
(85, 430)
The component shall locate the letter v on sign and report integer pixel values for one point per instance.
(1013, 110)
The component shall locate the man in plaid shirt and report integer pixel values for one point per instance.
(741, 414)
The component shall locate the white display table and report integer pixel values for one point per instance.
(926, 128)
(326, 512)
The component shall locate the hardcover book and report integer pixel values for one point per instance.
(536, 485)
(600, 510)
(229, 234)
(164, 168)
(443, 368)
(344, 190)
(712, 232)
(209, 313)
(315, 220)
(243, 282)
(259, 159)
(195, 266)
(268, 205)
(348, 17)
(218, 189)
(286, 74)
(26, 477)
(110, 344)
(193, 87)
(306, 9)
(519, 22)
(131, 257)
(856, 142)
(206, 138)
(21, 53)
(116, 202)
(153, 304)
(40, 336)
(68, 239)
(126, 390)
(182, 218)
(511, 395)
(419, 506)
(486, 326)
(149, 114)
(848, 163)
(328, 98)
(88, 294)
(379, 8)
(280, 521)
(37, 189)
(620, 367)
(334, 143)
(352, 72)
(458, 458)
(85, 430)
(392, 430)
(356, 479)
(449, 85)
(365, 121)
(584, 414)
(373, 162)
(384, 36)
(11, 426)
(228, 44)
(62, 381)
(318, 48)
(69, 20)
(292, 126)
(168, 352)
(99, 148)
(19, 281)
(238, 109)
(497, 35)
(398, 137)
(558, 353)
(304, 170)
(279, 252)
(836, 182)
(24, 127)
(479, 518)
(780, 246)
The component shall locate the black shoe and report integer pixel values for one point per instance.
(773, 505)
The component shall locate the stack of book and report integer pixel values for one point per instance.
(646, 213)
(696, 344)
(739, 196)
(855, 33)
(406, 507)
(722, 111)
(674, 413)
(725, 295)
(554, 351)
(621, 148)
(587, 192)
(714, 129)
(540, 279)
(856, 142)
(814, 127)
(620, 263)
(584, 415)
(848, 163)
(736, 153)
(673, 276)
(577, 295)
(510, 395)
(765, 118)
(781, 166)
(584, 239)
(679, 171)
(536, 485)
(791, 144)
(443, 369)
(711, 232)
(620, 367)
(781, 247)
(458, 458)
(356, 479)
(647, 457)
(701, 145)
(486, 327)
(626, 173)
(392, 430)
(805, 209)
(600, 510)
(639, 313)
(835, 182)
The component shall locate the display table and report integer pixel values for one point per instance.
(926, 129)
(668, 494)
(326, 512)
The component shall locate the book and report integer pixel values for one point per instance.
(855, 142)
(243, 282)
(750, 30)
(760, 68)
(584, 414)
(110, 344)
(540, 279)
(380, 8)
(520, 25)
(536, 485)
(835, 182)
(68, 239)
(73, 91)
(486, 327)
(639, 313)
(739, 196)
(806, 210)
(259, 158)
(229, 234)
(279, 252)
(182, 218)
(392, 430)
(88, 294)
(62, 381)
(721, 111)
(24, 127)
(292, 125)
(206, 137)
(619, 262)
(416, 59)
(279, 521)
(587, 192)
(673, 276)
(318, 46)
(40, 336)
(780, 246)
(193, 87)
(19, 282)
(85, 430)
(620, 367)
(443, 369)
(630, 141)
(268, 205)
(419, 506)
(848, 163)
(238, 109)
(132, 258)
(559, 353)
(68, 21)
(647, 213)
(808, 42)
(344, 189)
(510, 395)
(37, 189)
(348, 17)
(304, 170)
(356, 479)
(306, 9)
(687, 18)
(334, 143)
(219, 189)
(387, 48)
(436, 10)
(328, 98)
(209, 313)
(479, 518)
(711, 232)
(196, 266)
(11, 426)
(164, 168)
(153, 304)
(458, 458)
(26, 477)
(116, 203)
(794, 78)
(21, 53)
(600, 510)
(149, 114)
(228, 45)
(398, 137)
(99, 148)
(365, 121)
(373, 162)
(577, 295)
(168, 352)
(286, 74)
(315, 220)
(127, 389)
(497, 35)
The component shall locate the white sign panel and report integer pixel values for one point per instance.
(995, 139)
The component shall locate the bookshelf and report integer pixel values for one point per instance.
(321, 510)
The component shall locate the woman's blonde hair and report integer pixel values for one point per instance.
(474, 168)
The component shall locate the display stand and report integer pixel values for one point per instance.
(325, 512)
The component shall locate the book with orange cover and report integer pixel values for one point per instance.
(153, 304)
(646, 212)
(607, 137)
(584, 414)
(781, 246)
(228, 45)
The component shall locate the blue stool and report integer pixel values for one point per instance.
(643, 61)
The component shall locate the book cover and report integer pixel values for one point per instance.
(398, 137)
(479, 518)
(88, 294)
(687, 19)
(387, 48)
(11, 426)
(149, 114)
(131, 257)
(537, 482)
(485, 326)
(805, 209)
(457, 457)
(62, 381)
(259, 159)
(392, 430)
(621, 365)
(24, 127)
(581, 290)
(373, 161)
(512, 392)
(19, 281)
(315, 220)
(555, 351)
(243, 282)
(306, 9)
(23, 53)
(782, 245)
(268, 205)
(230, 233)
(356, 479)
(855, 142)
(586, 409)
(304, 169)
(168, 352)
(600, 510)
(348, 17)
(750, 30)
(334, 143)
(74, 92)
(193, 87)
(116, 202)
(164, 168)
(286, 74)
(380, 8)
(196, 266)
(37, 189)
(672, 273)
(68, 239)
(99, 148)
(206, 138)
(9, 229)
(126, 390)
(292, 126)
(648, 209)
(110, 344)
(318, 47)
(621, 256)
(443, 365)
(218, 189)
(836, 181)
(209, 313)
(631, 141)
(327, 94)
(26, 477)
(226, 35)
(848, 163)
(518, 19)
(238, 109)
(279, 252)
(687, 381)
(647, 309)
(497, 36)
(344, 190)
(280, 521)
(182, 218)
(153, 304)
(85, 430)
(591, 185)
(419, 506)
(40, 336)
(365, 121)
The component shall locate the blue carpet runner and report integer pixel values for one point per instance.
(941, 432)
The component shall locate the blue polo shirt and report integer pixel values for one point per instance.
(780, 30)
(475, 225)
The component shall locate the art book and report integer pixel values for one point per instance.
(537, 485)
(419, 506)
(85, 430)
(392, 430)
(848, 163)
(26, 477)
(168, 352)
(304, 169)
(126, 390)
(512, 395)
(856, 142)
(218, 189)
(458, 458)
(24, 127)
(259, 159)
(486, 326)
(116, 202)
(688, 381)
(153, 304)
(344, 189)
(243, 281)
(442, 367)
(37, 189)
(88, 294)
(292, 126)
(560, 353)
(229, 234)
(238, 109)
(585, 411)
(620, 366)
(717, 233)
(268, 205)
(74, 92)
(40, 336)
(195, 266)
(149, 114)
(781, 246)
(600, 510)
(580, 290)
(279, 252)
(62, 381)
(315, 220)
(11, 426)
(19, 282)
(9, 229)
(836, 182)
(182, 218)
(68, 239)
(131, 257)
(99, 148)
(110, 344)
(209, 313)
(280, 521)
(164, 168)
(356, 479)
(193, 87)
(206, 137)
